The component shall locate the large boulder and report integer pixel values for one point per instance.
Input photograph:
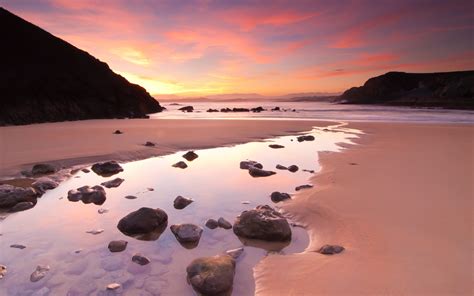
(87, 195)
(11, 195)
(144, 223)
(107, 169)
(212, 275)
(263, 223)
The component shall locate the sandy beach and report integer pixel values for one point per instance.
(83, 142)
(401, 205)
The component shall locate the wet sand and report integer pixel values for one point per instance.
(82, 142)
(401, 204)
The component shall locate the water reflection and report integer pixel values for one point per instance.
(81, 264)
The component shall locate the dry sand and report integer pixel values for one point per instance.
(82, 142)
(403, 211)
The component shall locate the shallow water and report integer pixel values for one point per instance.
(55, 228)
(321, 111)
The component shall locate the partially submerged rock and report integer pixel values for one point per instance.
(107, 169)
(187, 109)
(212, 224)
(212, 275)
(306, 186)
(181, 202)
(279, 196)
(39, 273)
(263, 223)
(223, 223)
(112, 183)
(235, 253)
(144, 223)
(276, 146)
(247, 164)
(256, 172)
(140, 259)
(12, 195)
(102, 211)
(130, 197)
(87, 195)
(190, 156)
(95, 231)
(180, 164)
(281, 167)
(17, 246)
(43, 184)
(117, 245)
(187, 233)
(331, 249)
(293, 168)
(305, 138)
(43, 169)
(3, 271)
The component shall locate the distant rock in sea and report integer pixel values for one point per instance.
(454, 90)
(46, 79)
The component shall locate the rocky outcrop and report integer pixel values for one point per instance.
(453, 90)
(57, 81)
(212, 275)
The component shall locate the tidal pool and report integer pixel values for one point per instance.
(55, 230)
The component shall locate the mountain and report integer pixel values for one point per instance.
(44, 78)
(453, 90)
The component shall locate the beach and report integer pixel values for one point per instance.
(398, 199)
(400, 202)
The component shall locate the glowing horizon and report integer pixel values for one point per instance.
(270, 48)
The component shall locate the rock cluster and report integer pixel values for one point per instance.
(87, 195)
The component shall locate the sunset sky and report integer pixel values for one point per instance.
(266, 47)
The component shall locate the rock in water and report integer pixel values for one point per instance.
(281, 167)
(140, 259)
(3, 271)
(43, 169)
(293, 168)
(279, 196)
(212, 224)
(263, 223)
(11, 195)
(150, 144)
(180, 164)
(95, 231)
(39, 273)
(144, 221)
(118, 132)
(256, 172)
(235, 253)
(117, 245)
(107, 169)
(306, 186)
(113, 183)
(190, 156)
(59, 82)
(181, 202)
(305, 138)
(102, 211)
(187, 109)
(87, 195)
(186, 233)
(276, 146)
(17, 246)
(130, 197)
(331, 249)
(212, 275)
(223, 223)
(246, 164)
(113, 286)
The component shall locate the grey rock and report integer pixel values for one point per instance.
(187, 233)
(190, 156)
(293, 168)
(247, 164)
(140, 259)
(212, 275)
(331, 249)
(223, 223)
(306, 186)
(22, 206)
(39, 273)
(113, 183)
(117, 245)
(43, 169)
(256, 172)
(86, 194)
(180, 164)
(263, 223)
(279, 196)
(212, 224)
(181, 202)
(107, 169)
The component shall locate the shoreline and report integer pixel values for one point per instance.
(367, 199)
(84, 142)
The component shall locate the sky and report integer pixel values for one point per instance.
(267, 47)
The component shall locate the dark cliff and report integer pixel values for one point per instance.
(44, 78)
(453, 90)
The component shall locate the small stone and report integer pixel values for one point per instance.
(140, 259)
(150, 189)
(113, 286)
(130, 197)
(279, 196)
(39, 273)
(78, 251)
(118, 132)
(86, 170)
(181, 202)
(247, 164)
(235, 253)
(18, 246)
(223, 223)
(212, 224)
(102, 211)
(309, 171)
(112, 183)
(293, 168)
(306, 186)
(256, 172)
(150, 144)
(95, 231)
(281, 167)
(305, 138)
(276, 146)
(186, 233)
(180, 164)
(190, 156)
(330, 249)
(3, 271)
(245, 202)
(117, 245)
